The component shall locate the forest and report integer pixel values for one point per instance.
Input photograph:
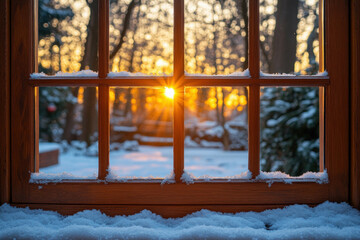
(216, 43)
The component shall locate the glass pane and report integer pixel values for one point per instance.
(216, 36)
(68, 132)
(289, 36)
(141, 132)
(289, 129)
(141, 36)
(216, 131)
(67, 36)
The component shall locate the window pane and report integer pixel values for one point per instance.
(289, 129)
(216, 131)
(141, 132)
(216, 36)
(67, 36)
(68, 132)
(141, 36)
(289, 36)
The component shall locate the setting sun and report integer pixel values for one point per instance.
(169, 92)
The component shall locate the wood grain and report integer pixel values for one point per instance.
(336, 99)
(155, 193)
(178, 79)
(189, 81)
(355, 105)
(104, 130)
(5, 101)
(254, 90)
(22, 96)
(103, 90)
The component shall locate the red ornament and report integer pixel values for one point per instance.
(51, 107)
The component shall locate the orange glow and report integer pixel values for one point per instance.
(169, 92)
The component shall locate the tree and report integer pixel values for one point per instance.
(290, 130)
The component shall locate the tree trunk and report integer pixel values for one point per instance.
(90, 61)
(226, 139)
(284, 42)
(69, 120)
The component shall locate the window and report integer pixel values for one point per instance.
(236, 194)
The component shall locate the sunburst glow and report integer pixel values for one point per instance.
(169, 92)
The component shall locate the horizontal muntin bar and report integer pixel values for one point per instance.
(189, 81)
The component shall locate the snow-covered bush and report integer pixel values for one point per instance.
(290, 129)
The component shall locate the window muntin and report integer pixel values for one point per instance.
(254, 91)
(190, 197)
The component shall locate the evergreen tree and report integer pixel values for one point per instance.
(290, 129)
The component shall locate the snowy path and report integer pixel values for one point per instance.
(326, 221)
(156, 162)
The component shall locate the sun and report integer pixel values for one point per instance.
(169, 92)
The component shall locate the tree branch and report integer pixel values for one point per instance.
(125, 28)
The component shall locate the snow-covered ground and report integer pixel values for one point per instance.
(325, 221)
(154, 161)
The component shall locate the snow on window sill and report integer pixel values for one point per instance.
(44, 178)
(245, 73)
(113, 177)
(319, 74)
(83, 73)
(138, 74)
(188, 178)
(271, 177)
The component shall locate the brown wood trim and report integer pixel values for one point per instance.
(166, 211)
(254, 50)
(22, 114)
(355, 105)
(103, 38)
(321, 90)
(178, 79)
(22, 95)
(254, 90)
(188, 82)
(254, 130)
(5, 101)
(103, 90)
(155, 193)
(336, 100)
(104, 130)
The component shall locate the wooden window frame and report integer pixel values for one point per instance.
(178, 199)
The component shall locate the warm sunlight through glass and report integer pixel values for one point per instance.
(169, 92)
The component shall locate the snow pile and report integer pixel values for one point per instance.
(114, 177)
(271, 177)
(324, 74)
(47, 147)
(189, 178)
(262, 74)
(169, 179)
(129, 74)
(245, 73)
(325, 221)
(276, 74)
(83, 73)
(44, 178)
